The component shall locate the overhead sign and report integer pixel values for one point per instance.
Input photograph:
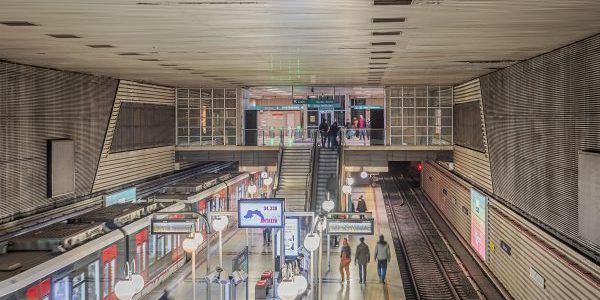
(173, 226)
(124, 196)
(350, 226)
(367, 106)
(260, 213)
(275, 107)
(318, 103)
(478, 223)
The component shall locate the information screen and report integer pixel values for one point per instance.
(350, 226)
(478, 222)
(260, 213)
(292, 232)
(173, 226)
(124, 196)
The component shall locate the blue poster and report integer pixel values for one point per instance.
(124, 196)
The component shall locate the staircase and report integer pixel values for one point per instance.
(328, 164)
(293, 174)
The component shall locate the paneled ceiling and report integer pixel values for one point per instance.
(283, 42)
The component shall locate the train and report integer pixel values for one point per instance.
(84, 257)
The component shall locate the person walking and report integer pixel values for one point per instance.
(361, 207)
(267, 236)
(361, 126)
(333, 133)
(382, 256)
(362, 258)
(323, 129)
(345, 259)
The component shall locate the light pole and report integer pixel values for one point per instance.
(133, 284)
(328, 206)
(347, 190)
(219, 224)
(190, 245)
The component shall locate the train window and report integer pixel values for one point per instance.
(60, 290)
(143, 262)
(138, 259)
(152, 248)
(105, 281)
(160, 246)
(94, 280)
(168, 243)
(79, 287)
(113, 277)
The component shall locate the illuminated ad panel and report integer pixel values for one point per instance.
(478, 222)
(260, 213)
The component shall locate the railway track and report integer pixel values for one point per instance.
(428, 268)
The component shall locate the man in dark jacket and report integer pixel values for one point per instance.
(361, 207)
(382, 256)
(323, 130)
(333, 133)
(362, 258)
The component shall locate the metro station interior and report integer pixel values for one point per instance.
(299, 149)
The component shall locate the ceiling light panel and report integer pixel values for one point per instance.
(18, 23)
(388, 20)
(64, 36)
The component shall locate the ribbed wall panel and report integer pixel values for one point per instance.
(473, 165)
(567, 274)
(38, 104)
(538, 114)
(121, 168)
(467, 92)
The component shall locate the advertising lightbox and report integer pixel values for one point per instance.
(292, 232)
(478, 223)
(260, 213)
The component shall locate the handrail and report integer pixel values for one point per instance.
(309, 179)
(278, 166)
(340, 169)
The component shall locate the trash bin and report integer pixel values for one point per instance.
(261, 290)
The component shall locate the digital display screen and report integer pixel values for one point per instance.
(350, 226)
(478, 223)
(292, 231)
(173, 226)
(260, 213)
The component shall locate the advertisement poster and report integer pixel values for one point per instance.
(260, 213)
(124, 196)
(292, 231)
(478, 222)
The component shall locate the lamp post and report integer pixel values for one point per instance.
(311, 243)
(364, 175)
(328, 206)
(219, 224)
(133, 284)
(190, 245)
(347, 190)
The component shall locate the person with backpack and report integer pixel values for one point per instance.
(361, 207)
(382, 257)
(362, 258)
(323, 130)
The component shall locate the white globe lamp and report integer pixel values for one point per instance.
(321, 226)
(264, 174)
(350, 181)
(364, 175)
(190, 244)
(301, 283)
(268, 181)
(287, 290)
(328, 205)
(346, 189)
(220, 223)
(124, 290)
(138, 282)
(312, 241)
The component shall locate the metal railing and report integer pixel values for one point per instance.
(276, 136)
(278, 166)
(314, 156)
(362, 136)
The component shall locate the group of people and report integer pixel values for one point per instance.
(329, 134)
(357, 128)
(363, 257)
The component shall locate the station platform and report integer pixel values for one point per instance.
(260, 259)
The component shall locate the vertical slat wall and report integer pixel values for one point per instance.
(121, 168)
(38, 104)
(472, 164)
(538, 114)
(567, 274)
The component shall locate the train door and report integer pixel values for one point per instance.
(93, 280)
(79, 286)
(141, 258)
(61, 285)
(40, 291)
(109, 272)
